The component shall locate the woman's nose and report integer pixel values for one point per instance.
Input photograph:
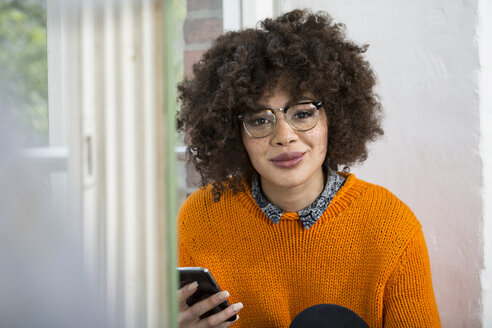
(283, 134)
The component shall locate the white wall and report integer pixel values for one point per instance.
(426, 57)
(485, 44)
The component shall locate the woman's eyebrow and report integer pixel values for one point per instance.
(264, 106)
(289, 103)
(261, 105)
(304, 98)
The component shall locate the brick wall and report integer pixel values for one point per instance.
(202, 25)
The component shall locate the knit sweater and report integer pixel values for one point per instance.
(366, 253)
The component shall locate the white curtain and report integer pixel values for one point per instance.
(109, 73)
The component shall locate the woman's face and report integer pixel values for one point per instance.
(288, 158)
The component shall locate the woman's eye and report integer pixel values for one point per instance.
(302, 115)
(259, 121)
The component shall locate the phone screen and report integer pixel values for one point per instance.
(207, 286)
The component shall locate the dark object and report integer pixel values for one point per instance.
(328, 315)
(207, 286)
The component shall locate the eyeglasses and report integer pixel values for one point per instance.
(302, 116)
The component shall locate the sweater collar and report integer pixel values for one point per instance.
(308, 215)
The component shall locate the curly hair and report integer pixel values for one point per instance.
(305, 52)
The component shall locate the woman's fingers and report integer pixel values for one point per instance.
(188, 315)
(219, 319)
(192, 313)
(199, 308)
(186, 292)
(227, 323)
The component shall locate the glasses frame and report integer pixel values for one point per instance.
(316, 104)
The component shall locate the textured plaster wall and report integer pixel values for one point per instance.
(426, 57)
(485, 42)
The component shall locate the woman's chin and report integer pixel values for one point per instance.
(288, 180)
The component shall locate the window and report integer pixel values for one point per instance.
(23, 65)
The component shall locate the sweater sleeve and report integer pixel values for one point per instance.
(409, 297)
(184, 257)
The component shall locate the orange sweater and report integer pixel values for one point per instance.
(366, 252)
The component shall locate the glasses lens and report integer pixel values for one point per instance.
(302, 117)
(259, 124)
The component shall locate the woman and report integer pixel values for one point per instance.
(270, 115)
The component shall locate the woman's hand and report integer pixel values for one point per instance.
(189, 316)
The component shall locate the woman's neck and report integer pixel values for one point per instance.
(295, 198)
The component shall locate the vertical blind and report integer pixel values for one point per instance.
(111, 80)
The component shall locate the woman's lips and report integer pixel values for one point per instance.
(287, 160)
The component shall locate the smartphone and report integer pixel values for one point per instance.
(207, 286)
